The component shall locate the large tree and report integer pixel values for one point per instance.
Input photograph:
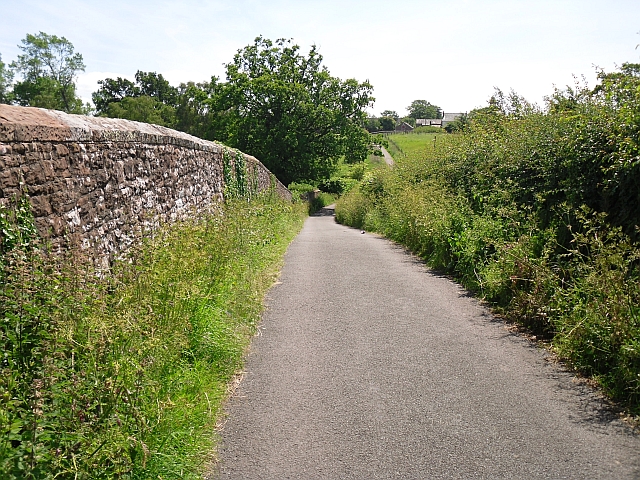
(48, 69)
(287, 110)
(423, 109)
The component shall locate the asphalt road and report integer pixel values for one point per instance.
(387, 156)
(369, 366)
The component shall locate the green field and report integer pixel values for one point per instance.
(412, 144)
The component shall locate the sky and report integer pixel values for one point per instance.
(451, 53)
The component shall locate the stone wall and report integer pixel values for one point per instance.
(101, 182)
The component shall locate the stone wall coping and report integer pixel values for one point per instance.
(30, 124)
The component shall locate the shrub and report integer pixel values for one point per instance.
(538, 212)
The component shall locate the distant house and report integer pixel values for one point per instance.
(403, 127)
(450, 117)
(438, 122)
(428, 122)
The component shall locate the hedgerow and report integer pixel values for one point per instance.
(537, 210)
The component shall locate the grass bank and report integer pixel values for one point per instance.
(123, 377)
(537, 211)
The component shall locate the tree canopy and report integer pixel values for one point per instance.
(47, 69)
(388, 123)
(277, 104)
(286, 109)
(423, 109)
(150, 99)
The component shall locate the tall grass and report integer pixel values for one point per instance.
(537, 212)
(124, 376)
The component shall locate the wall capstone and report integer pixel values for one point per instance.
(101, 182)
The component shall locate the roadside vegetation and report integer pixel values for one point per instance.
(347, 176)
(537, 211)
(123, 376)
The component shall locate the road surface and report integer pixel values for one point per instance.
(369, 366)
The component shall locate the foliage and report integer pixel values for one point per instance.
(427, 129)
(320, 201)
(287, 110)
(536, 211)
(373, 125)
(423, 109)
(388, 124)
(6, 78)
(409, 121)
(457, 125)
(277, 104)
(336, 185)
(390, 113)
(48, 69)
(301, 190)
(124, 375)
(151, 99)
(142, 109)
(112, 91)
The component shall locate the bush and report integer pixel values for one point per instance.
(333, 185)
(537, 212)
(300, 191)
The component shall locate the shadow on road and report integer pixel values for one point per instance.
(328, 211)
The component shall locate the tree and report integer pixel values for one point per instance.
(5, 82)
(195, 112)
(423, 109)
(372, 124)
(154, 85)
(388, 123)
(48, 69)
(150, 99)
(112, 91)
(287, 110)
(142, 109)
(390, 113)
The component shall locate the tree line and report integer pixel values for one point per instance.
(276, 103)
(388, 119)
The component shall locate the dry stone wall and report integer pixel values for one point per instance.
(101, 182)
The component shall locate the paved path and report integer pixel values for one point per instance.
(387, 156)
(369, 366)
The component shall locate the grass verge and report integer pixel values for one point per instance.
(124, 376)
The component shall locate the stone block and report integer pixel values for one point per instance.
(62, 150)
(41, 206)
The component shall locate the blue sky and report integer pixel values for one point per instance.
(449, 52)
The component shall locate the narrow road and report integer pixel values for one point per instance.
(387, 156)
(369, 366)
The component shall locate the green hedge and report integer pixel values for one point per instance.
(538, 212)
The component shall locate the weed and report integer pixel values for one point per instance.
(124, 375)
